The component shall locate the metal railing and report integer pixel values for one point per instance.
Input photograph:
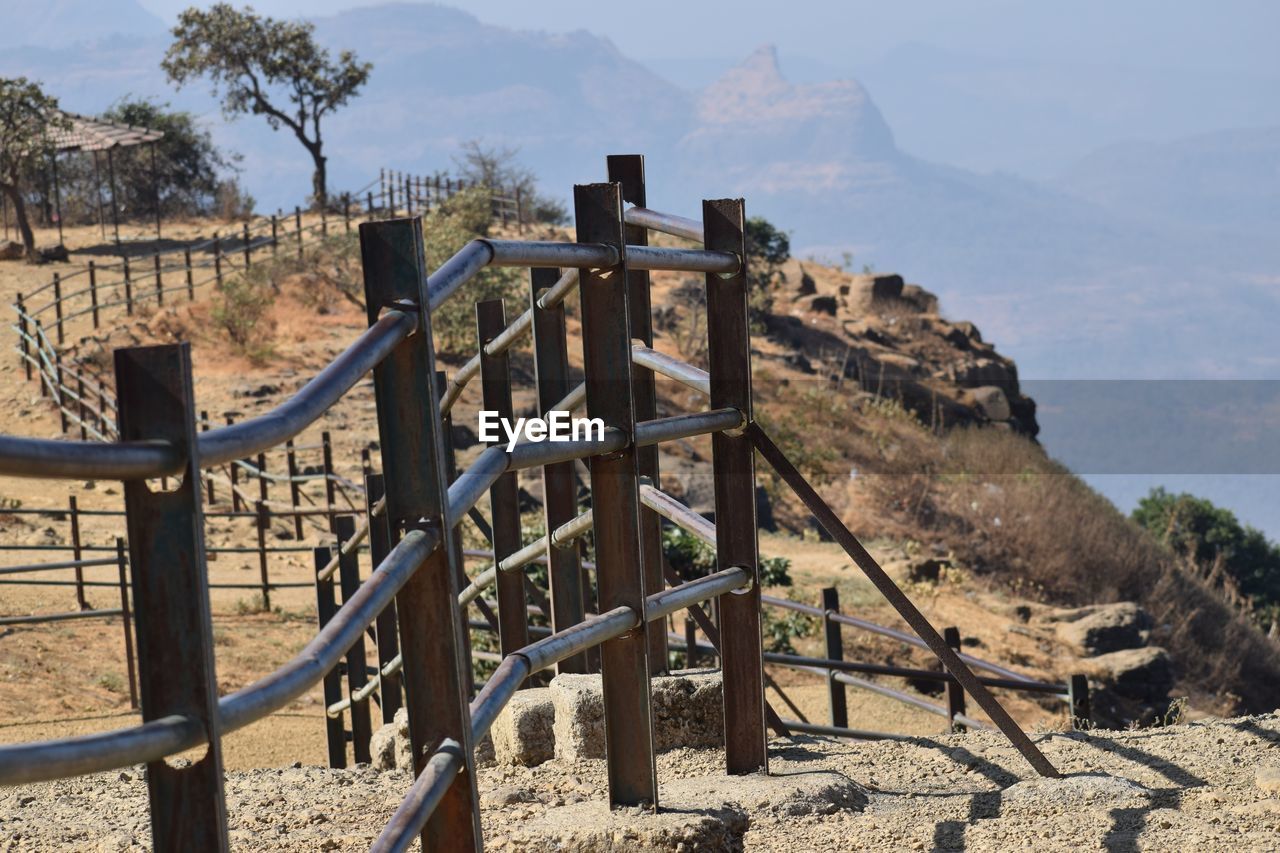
(414, 541)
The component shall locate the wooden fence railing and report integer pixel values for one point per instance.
(414, 539)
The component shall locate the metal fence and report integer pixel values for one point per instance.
(414, 540)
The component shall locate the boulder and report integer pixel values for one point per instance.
(1106, 628)
(523, 733)
(824, 305)
(688, 711)
(389, 745)
(866, 290)
(921, 299)
(991, 401)
(1144, 675)
(987, 371)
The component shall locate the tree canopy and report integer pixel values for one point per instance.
(1210, 534)
(262, 66)
(28, 117)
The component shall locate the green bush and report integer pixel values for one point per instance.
(240, 309)
(692, 558)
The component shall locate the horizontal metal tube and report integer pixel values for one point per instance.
(512, 333)
(687, 426)
(892, 633)
(69, 564)
(682, 260)
(558, 292)
(693, 592)
(322, 654)
(457, 271)
(667, 223)
(226, 444)
(566, 533)
(672, 368)
(497, 691)
(677, 513)
(474, 482)
(906, 698)
(591, 631)
(56, 759)
(59, 617)
(550, 253)
(573, 399)
(24, 763)
(534, 454)
(423, 798)
(835, 731)
(909, 672)
(86, 460)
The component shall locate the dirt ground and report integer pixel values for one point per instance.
(1212, 786)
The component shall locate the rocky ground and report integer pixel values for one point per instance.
(1212, 785)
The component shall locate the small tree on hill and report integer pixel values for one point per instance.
(262, 66)
(27, 119)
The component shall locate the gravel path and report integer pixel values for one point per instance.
(1201, 786)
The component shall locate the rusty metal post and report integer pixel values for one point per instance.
(456, 557)
(330, 488)
(25, 332)
(217, 261)
(408, 195)
(128, 286)
(955, 693)
(81, 410)
(297, 225)
(93, 293)
(357, 676)
(606, 349)
(387, 633)
(295, 488)
(368, 205)
(190, 274)
(628, 170)
(733, 466)
(262, 518)
(504, 499)
(690, 643)
(167, 560)
(233, 473)
(126, 622)
(61, 387)
(560, 490)
(204, 427)
(159, 280)
(275, 235)
(1078, 699)
(326, 605)
(244, 238)
(436, 678)
(77, 551)
(57, 307)
(837, 698)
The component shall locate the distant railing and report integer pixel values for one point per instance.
(413, 539)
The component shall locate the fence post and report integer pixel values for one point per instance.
(59, 395)
(520, 209)
(330, 492)
(167, 561)
(126, 621)
(295, 488)
(81, 411)
(263, 519)
(217, 261)
(690, 643)
(57, 307)
(1078, 699)
(456, 558)
(368, 206)
(25, 332)
(275, 235)
(620, 577)
(628, 170)
(324, 221)
(191, 283)
(128, 286)
(44, 381)
(955, 693)
(245, 239)
(326, 606)
(733, 464)
(436, 678)
(560, 491)
(387, 632)
(495, 381)
(408, 195)
(346, 213)
(159, 281)
(73, 511)
(233, 473)
(204, 427)
(838, 699)
(357, 676)
(297, 224)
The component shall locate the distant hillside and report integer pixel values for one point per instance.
(61, 23)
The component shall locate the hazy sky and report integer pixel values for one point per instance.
(1225, 35)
